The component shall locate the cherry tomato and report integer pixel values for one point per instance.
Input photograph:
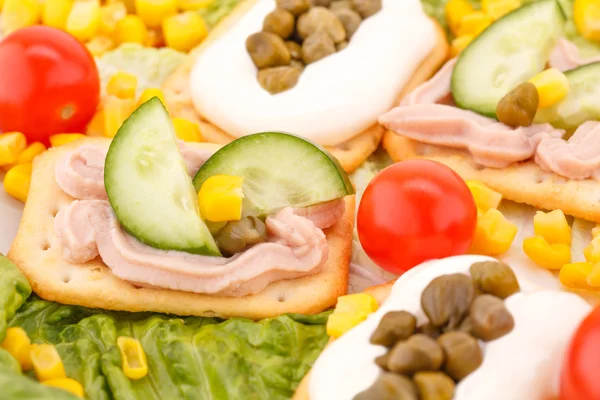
(579, 379)
(415, 211)
(49, 83)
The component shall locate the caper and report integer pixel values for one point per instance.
(297, 64)
(339, 4)
(280, 22)
(382, 361)
(490, 318)
(466, 325)
(393, 327)
(296, 7)
(341, 46)
(389, 386)
(350, 19)
(366, 8)
(321, 3)
(215, 227)
(267, 50)
(447, 298)
(316, 47)
(434, 386)
(462, 354)
(321, 19)
(237, 236)
(417, 353)
(278, 79)
(430, 330)
(295, 50)
(518, 107)
(495, 278)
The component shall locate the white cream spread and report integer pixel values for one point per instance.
(335, 99)
(522, 365)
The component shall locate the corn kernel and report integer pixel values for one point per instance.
(149, 93)
(186, 130)
(17, 343)
(109, 15)
(220, 198)
(552, 226)
(122, 85)
(552, 86)
(131, 29)
(133, 357)
(485, 198)
(592, 251)
(56, 13)
(68, 384)
(96, 125)
(459, 44)
(153, 12)
(17, 181)
(184, 31)
(474, 23)
(116, 111)
(17, 14)
(84, 20)
(593, 278)
(499, 8)
(100, 45)
(575, 275)
(586, 15)
(455, 11)
(33, 150)
(11, 146)
(595, 231)
(155, 38)
(546, 255)
(193, 5)
(350, 311)
(494, 234)
(47, 363)
(64, 138)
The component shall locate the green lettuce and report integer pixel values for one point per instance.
(217, 10)
(188, 358)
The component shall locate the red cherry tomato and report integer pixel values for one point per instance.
(49, 83)
(579, 379)
(415, 211)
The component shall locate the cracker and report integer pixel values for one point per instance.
(36, 251)
(522, 182)
(351, 153)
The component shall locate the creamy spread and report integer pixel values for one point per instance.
(565, 56)
(88, 228)
(335, 99)
(522, 365)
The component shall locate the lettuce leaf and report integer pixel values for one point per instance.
(217, 10)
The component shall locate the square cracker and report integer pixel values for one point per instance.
(522, 182)
(37, 252)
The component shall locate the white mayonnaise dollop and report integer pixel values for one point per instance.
(335, 99)
(522, 365)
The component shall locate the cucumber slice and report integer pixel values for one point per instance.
(148, 185)
(509, 52)
(279, 170)
(581, 104)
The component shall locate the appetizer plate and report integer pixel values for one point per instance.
(10, 215)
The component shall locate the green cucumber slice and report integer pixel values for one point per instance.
(280, 170)
(581, 104)
(509, 52)
(148, 185)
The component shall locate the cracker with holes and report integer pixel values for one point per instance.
(242, 80)
(121, 225)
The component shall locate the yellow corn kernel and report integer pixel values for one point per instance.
(455, 11)
(133, 357)
(186, 130)
(47, 363)
(220, 198)
(552, 226)
(17, 14)
(552, 86)
(546, 255)
(154, 38)
(109, 15)
(192, 5)
(96, 125)
(593, 278)
(350, 311)
(100, 45)
(33, 150)
(68, 384)
(149, 93)
(116, 111)
(474, 23)
(11, 146)
(184, 31)
(17, 181)
(592, 251)
(123, 85)
(494, 234)
(17, 343)
(499, 8)
(575, 275)
(131, 29)
(596, 231)
(84, 20)
(459, 44)
(586, 15)
(56, 13)
(485, 198)
(63, 138)
(153, 12)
